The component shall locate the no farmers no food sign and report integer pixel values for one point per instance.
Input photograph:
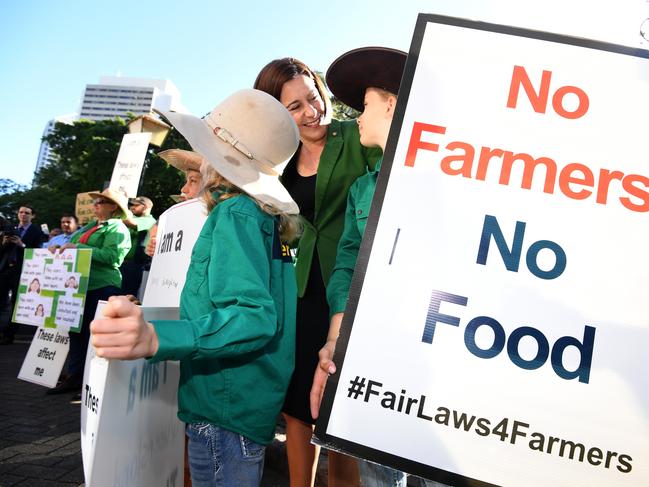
(498, 324)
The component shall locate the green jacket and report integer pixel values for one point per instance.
(109, 244)
(236, 336)
(356, 213)
(144, 223)
(343, 160)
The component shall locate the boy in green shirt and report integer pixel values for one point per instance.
(366, 79)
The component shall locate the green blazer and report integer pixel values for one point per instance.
(343, 160)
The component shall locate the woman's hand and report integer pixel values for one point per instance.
(68, 245)
(325, 368)
(123, 333)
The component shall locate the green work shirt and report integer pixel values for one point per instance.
(109, 244)
(359, 201)
(236, 336)
(342, 161)
(144, 223)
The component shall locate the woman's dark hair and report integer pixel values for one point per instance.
(272, 77)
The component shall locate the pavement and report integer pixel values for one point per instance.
(40, 434)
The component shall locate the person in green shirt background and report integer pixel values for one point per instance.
(235, 338)
(328, 160)
(110, 241)
(138, 222)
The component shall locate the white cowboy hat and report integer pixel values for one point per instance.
(183, 160)
(116, 196)
(248, 138)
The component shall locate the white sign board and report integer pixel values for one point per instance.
(500, 312)
(130, 160)
(130, 434)
(178, 230)
(45, 357)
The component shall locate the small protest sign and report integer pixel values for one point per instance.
(52, 288)
(130, 160)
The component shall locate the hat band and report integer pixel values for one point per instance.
(226, 136)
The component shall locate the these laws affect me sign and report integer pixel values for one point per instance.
(498, 321)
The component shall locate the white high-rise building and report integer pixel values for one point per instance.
(116, 96)
(45, 154)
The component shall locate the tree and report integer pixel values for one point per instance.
(10, 186)
(86, 153)
(342, 111)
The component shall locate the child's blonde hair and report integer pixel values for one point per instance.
(290, 227)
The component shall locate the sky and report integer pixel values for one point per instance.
(50, 50)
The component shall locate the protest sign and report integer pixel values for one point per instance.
(52, 288)
(496, 331)
(178, 230)
(130, 160)
(83, 207)
(130, 434)
(45, 357)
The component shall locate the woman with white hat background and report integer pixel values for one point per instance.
(329, 159)
(236, 336)
(110, 241)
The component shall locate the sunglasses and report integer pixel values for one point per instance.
(102, 202)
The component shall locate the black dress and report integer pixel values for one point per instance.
(312, 318)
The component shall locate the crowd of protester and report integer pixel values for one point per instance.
(288, 190)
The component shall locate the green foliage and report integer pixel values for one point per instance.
(342, 111)
(9, 186)
(87, 152)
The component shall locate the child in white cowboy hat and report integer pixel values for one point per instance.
(236, 336)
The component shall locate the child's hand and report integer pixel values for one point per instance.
(123, 333)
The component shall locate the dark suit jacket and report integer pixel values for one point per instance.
(33, 237)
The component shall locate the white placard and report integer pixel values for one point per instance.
(500, 304)
(45, 357)
(178, 230)
(53, 288)
(130, 160)
(130, 434)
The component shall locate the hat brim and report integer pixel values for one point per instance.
(108, 195)
(232, 164)
(183, 160)
(367, 67)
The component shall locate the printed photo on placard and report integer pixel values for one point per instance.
(72, 282)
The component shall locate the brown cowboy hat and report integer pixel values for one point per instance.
(116, 197)
(366, 67)
(183, 160)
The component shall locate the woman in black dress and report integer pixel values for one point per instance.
(327, 162)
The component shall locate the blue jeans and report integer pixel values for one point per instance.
(375, 475)
(218, 457)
